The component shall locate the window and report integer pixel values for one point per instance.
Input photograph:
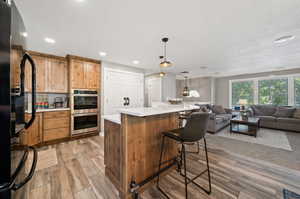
(242, 90)
(278, 90)
(273, 91)
(297, 91)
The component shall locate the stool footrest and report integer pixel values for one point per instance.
(189, 180)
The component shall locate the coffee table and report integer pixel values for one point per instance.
(248, 126)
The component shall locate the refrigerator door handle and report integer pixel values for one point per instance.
(11, 184)
(26, 57)
(31, 172)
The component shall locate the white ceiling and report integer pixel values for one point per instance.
(228, 37)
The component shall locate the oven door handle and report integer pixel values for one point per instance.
(31, 172)
(11, 184)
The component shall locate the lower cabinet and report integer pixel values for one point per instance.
(112, 152)
(33, 135)
(56, 125)
(48, 126)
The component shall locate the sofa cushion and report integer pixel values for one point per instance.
(267, 118)
(224, 116)
(263, 110)
(219, 120)
(218, 109)
(288, 120)
(297, 113)
(284, 112)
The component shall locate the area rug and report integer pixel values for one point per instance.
(267, 137)
(46, 158)
(290, 195)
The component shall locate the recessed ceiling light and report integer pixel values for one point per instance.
(284, 39)
(80, 1)
(24, 34)
(102, 54)
(49, 40)
(135, 62)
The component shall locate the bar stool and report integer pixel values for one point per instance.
(183, 116)
(193, 132)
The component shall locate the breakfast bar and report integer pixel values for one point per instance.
(132, 144)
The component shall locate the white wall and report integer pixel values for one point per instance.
(165, 87)
(168, 87)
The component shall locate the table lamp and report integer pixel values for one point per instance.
(243, 102)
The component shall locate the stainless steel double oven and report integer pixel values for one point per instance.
(85, 111)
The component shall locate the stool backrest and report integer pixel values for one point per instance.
(196, 126)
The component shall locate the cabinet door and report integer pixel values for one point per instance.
(16, 57)
(40, 64)
(92, 73)
(33, 135)
(77, 74)
(57, 76)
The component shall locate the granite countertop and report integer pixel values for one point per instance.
(149, 111)
(49, 110)
(116, 118)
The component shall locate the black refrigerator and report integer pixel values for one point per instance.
(14, 156)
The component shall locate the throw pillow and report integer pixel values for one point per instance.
(284, 112)
(297, 113)
(204, 109)
(257, 111)
(218, 109)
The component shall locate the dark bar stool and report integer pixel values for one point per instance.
(193, 132)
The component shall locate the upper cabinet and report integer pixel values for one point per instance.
(16, 57)
(92, 73)
(84, 73)
(77, 74)
(57, 76)
(51, 74)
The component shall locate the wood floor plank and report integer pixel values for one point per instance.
(76, 176)
(86, 194)
(79, 173)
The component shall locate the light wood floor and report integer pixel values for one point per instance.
(75, 170)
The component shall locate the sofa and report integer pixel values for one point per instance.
(219, 117)
(276, 117)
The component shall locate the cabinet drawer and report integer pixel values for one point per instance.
(56, 114)
(54, 134)
(55, 123)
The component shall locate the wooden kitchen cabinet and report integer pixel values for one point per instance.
(56, 125)
(57, 76)
(51, 73)
(84, 73)
(112, 151)
(16, 57)
(77, 74)
(48, 126)
(92, 74)
(41, 67)
(33, 135)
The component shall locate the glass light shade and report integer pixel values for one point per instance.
(162, 74)
(194, 93)
(165, 64)
(243, 102)
(185, 91)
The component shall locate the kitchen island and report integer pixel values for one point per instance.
(132, 144)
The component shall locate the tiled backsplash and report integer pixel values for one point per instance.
(46, 100)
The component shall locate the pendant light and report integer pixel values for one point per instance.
(186, 90)
(165, 63)
(161, 73)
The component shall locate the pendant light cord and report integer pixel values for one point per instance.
(165, 57)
